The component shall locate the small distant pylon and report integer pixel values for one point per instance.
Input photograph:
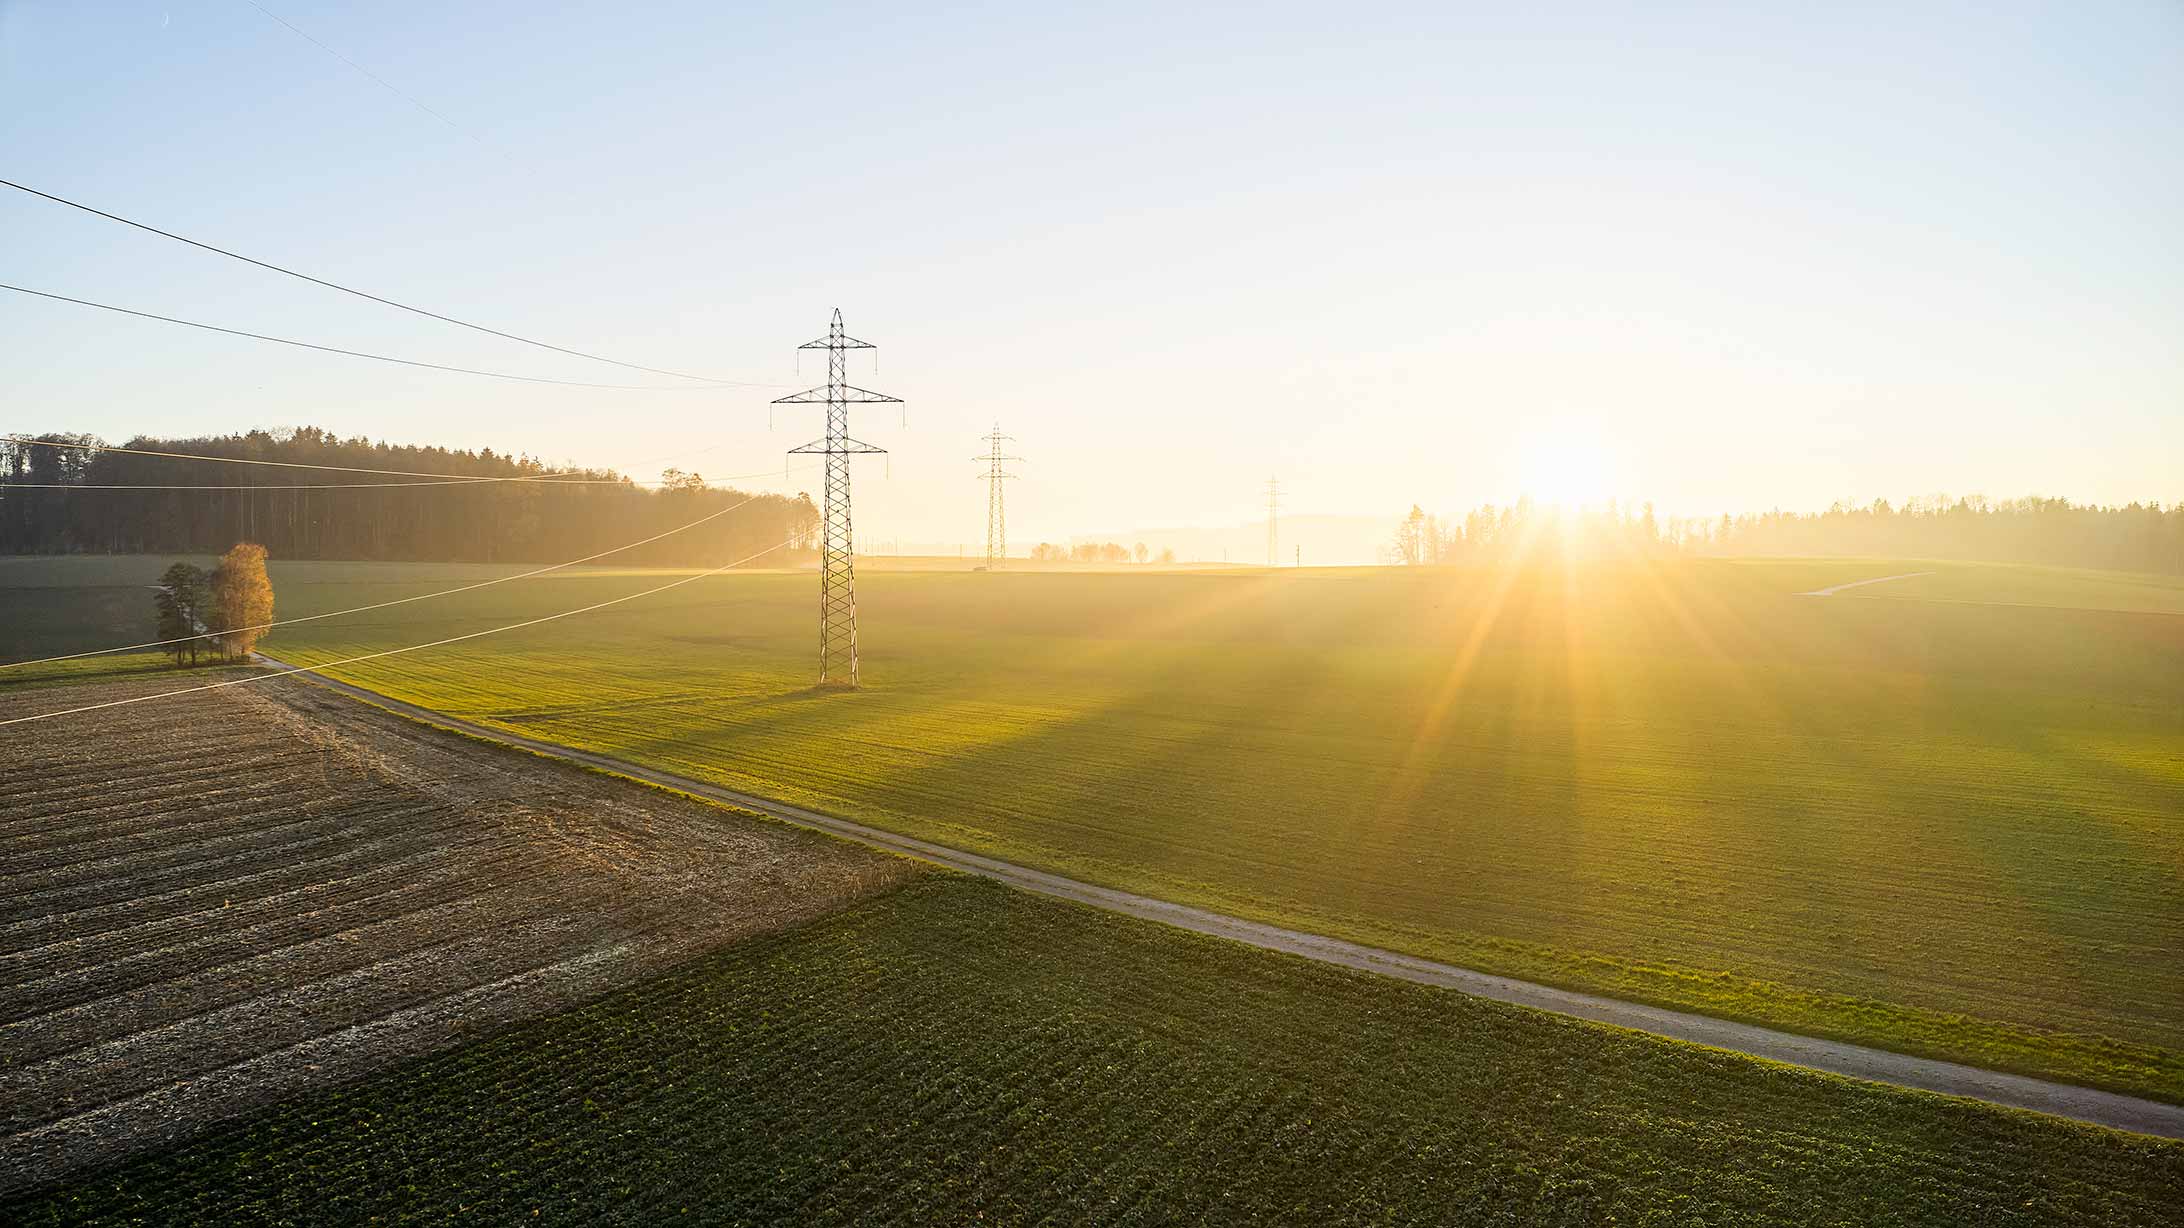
(837, 546)
(997, 528)
(1273, 513)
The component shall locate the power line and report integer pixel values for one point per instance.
(329, 349)
(368, 73)
(249, 460)
(997, 529)
(320, 281)
(559, 477)
(564, 477)
(391, 652)
(6, 485)
(381, 605)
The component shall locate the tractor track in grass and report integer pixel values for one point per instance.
(2111, 1109)
(1833, 589)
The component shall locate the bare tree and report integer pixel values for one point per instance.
(1410, 538)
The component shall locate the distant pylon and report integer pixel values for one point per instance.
(997, 529)
(1273, 511)
(837, 545)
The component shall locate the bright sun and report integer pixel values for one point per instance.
(1568, 471)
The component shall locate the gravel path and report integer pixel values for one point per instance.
(1833, 589)
(2016, 1091)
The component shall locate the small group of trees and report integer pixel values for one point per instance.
(2132, 537)
(223, 611)
(1097, 552)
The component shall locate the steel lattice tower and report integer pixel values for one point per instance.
(997, 529)
(1273, 509)
(837, 545)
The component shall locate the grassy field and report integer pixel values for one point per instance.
(949, 1053)
(1942, 815)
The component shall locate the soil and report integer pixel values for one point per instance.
(216, 902)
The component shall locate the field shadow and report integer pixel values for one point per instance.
(66, 677)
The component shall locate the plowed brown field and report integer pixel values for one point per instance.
(205, 909)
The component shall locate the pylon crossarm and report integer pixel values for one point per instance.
(863, 396)
(846, 395)
(849, 447)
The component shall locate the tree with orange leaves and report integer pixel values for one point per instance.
(242, 599)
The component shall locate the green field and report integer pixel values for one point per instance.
(1943, 815)
(958, 1052)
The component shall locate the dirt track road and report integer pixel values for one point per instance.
(1856, 1061)
(1833, 589)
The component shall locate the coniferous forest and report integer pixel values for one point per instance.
(51, 502)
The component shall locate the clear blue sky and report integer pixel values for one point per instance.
(1723, 256)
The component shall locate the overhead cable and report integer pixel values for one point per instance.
(381, 605)
(334, 349)
(249, 460)
(390, 652)
(366, 72)
(6, 485)
(333, 285)
(552, 477)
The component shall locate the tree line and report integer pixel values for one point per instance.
(1097, 552)
(2132, 537)
(225, 610)
(317, 514)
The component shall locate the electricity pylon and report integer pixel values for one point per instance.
(1273, 509)
(837, 547)
(997, 529)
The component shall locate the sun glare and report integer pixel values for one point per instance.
(1568, 472)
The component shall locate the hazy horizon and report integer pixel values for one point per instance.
(1720, 259)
